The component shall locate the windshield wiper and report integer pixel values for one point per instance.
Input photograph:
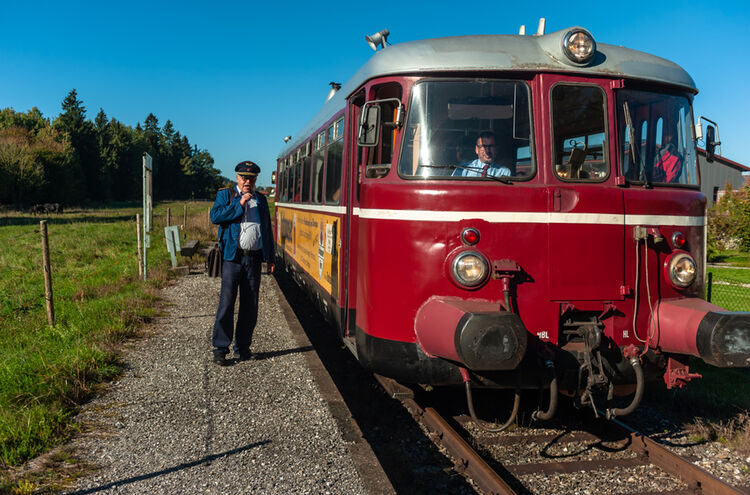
(631, 145)
(473, 169)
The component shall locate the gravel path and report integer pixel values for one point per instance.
(177, 423)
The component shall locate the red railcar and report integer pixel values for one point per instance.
(572, 259)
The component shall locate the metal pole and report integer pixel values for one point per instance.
(710, 282)
(47, 275)
(140, 246)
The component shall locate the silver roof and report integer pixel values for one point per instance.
(498, 53)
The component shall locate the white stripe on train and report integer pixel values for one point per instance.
(506, 216)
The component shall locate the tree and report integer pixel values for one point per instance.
(729, 221)
(72, 123)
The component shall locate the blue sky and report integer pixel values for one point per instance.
(236, 77)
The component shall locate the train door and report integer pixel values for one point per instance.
(586, 216)
(352, 167)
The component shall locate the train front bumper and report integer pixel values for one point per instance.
(695, 327)
(476, 334)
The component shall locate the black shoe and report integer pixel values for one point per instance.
(221, 360)
(248, 356)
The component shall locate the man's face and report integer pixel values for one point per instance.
(246, 183)
(485, 149)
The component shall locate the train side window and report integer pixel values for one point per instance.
(305, 196)
(297, 180)
(579, 133)
(333, 164)
(287, 181)
(317, 168)
(380, 157)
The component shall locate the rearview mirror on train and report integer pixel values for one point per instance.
(369, 125)
(370, 121)
(711, 143)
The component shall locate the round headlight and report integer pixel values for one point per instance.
(579, 46)
(681, 270)
(469, 269)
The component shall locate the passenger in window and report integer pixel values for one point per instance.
(668, 163)
(485, 163)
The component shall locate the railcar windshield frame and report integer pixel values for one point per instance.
(444, 121)
(659, 148)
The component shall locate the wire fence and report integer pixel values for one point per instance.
(730, 294)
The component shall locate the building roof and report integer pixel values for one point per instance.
(727, 162)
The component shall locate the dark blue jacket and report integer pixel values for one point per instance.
(227, 214)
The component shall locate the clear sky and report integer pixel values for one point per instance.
(236, 77)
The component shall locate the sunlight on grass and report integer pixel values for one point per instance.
(47, 372)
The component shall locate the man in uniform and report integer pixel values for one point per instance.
(246, 240)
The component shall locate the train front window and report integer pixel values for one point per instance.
(579, 133)
(468, 130)
(656, 139)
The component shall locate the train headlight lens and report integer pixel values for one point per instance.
(469, 269)
(579, 46)
(681, 270)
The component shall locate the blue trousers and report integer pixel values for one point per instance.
(244, 273)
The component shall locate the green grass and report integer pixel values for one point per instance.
(99, 300)
(734, 258)
(730, 288)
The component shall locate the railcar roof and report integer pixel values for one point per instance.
(514, 53)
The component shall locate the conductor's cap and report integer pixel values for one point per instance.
(247, 169)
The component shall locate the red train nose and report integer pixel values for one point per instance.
(474, 333)
(698, 328)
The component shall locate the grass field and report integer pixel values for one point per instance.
(730, 288)
(99, 300)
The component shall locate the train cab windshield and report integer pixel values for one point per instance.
(656, 138)
(468, 130)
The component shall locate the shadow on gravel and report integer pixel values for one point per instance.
(410, 460)
(205, 460)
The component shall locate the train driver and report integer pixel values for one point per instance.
(668, 163)
(484, 164)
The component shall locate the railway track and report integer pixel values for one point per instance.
(623, 449)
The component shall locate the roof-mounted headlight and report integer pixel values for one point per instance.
(579, 46)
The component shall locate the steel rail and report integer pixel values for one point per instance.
(696, 478)
(468, 460)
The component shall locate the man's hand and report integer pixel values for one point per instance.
(270, 267)
(245, 198)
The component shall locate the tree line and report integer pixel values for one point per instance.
(72, 160)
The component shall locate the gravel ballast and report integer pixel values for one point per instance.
(175, 422)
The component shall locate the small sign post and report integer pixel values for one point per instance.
(148, 211)
(172, 236)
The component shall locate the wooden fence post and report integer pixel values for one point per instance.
(47, 275)
(184, 216)
(169, 217)
(208, 219)
(140, 244)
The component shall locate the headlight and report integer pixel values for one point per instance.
(681, 270)
(469, 269)
(579, 46)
